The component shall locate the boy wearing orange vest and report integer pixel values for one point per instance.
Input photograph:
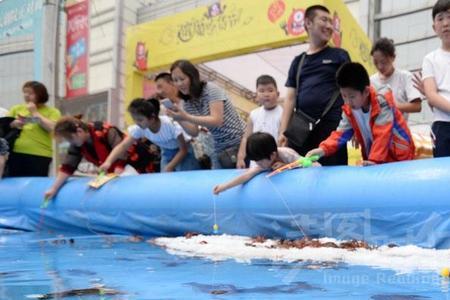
(370, 114)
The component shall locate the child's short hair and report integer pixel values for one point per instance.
(39, 89)
(148, 108)
(165, 76)
(260, 145)
(67, 125)
(352, 75)
(310, 12)
(385, 46)
(266, 79)
(440, 6)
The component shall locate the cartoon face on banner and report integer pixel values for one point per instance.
(215, 10)
(141, 57)
(337, 33)
(276, 10)
(296, 23)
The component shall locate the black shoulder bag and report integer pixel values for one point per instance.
(301, 124)
(7, 132)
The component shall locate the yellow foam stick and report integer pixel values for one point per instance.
(101, 179)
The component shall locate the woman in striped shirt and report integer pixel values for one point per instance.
(209, 106)
(176, 153)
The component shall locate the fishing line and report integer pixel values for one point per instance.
(215, 226)
(87, 221)
(287, 207)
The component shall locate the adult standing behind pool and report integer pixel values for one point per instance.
(33, 151)
(407, 98)
(315, 87)
(207, 105)
(203, 144)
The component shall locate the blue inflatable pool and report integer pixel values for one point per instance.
(401, 203)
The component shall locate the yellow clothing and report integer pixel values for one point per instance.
(34, 139)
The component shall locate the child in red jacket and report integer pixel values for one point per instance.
(94, 142)
(370, 114)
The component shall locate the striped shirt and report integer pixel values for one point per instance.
(230, 133)
(165, 138)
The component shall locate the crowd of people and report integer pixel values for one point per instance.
(330, 101)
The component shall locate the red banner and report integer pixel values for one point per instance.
(77, 49)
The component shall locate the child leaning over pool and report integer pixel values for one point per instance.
(262, 148)
(176, 153)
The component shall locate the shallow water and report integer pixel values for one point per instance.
(37, 263)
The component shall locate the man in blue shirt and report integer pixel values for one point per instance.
(316, 85)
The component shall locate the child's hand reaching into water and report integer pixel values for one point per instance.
(218, 189)
(50, 193)
(104, 167)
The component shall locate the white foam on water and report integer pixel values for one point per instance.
(404, 259)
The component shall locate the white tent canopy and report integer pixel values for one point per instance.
(245, 69)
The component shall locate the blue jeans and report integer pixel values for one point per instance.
(215, 164)
(188, 163)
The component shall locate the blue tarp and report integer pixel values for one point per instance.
(400, 203)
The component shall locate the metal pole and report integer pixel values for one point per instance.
(57, 48)
(114, 105)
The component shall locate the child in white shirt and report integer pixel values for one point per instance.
(176, 153)
(436, 79)
(265, 118)
(262, 148)
(407, 97)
